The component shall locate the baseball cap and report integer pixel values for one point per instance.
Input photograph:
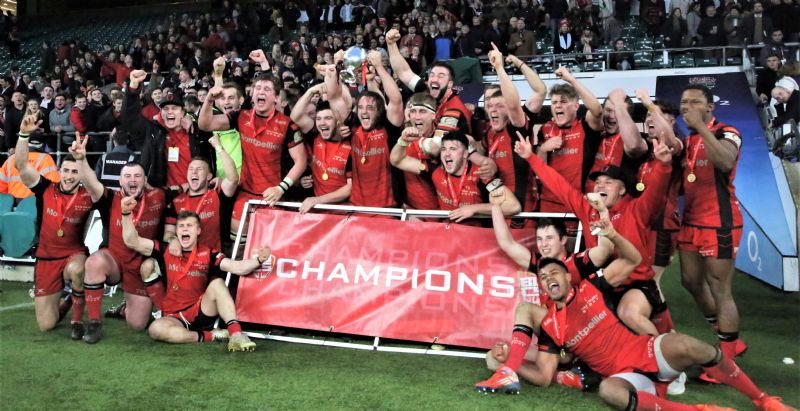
(174, 102)
(612, 171)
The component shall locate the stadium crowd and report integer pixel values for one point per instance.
(202, 121)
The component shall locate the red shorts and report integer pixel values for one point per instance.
(637, 355)
(241, 198)
(722, 243)
(48, 275)
(131, 276)
(193, 318)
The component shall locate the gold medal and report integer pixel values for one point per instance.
(691, 178)
(363, 160)
(60, 232)
(175, 287)
(640, 186)
(421, 166)
(325, 176)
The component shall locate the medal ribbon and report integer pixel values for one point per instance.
(456, 200)
(606, 151)
(493, 148)
(324, 159)
(62, 211)
(141, 208)
(185, 268)
(200, 203)
(258, 131)
(560, 320)
(693, 156)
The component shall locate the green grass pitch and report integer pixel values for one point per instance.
(128, 371)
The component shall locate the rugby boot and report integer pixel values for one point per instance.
(220, 334)
(741, 347)
(117, 312)
(94, 332)
(240, 342)
(678, 386)
(767, 403)
(503, 380)
(77, 331)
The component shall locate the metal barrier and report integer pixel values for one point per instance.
(403, 215)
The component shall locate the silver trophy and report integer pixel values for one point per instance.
(353, 65)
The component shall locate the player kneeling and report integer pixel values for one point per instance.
(196, 293)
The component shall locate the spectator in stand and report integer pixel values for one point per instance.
(121, 71)
(346, 13)
(32, 109)
(556, 10)
(60, 122)
(564, 42)
(710, 30)
(652, 14)
(155, 96)
(464, 43)
(757, 24)
(675, 30)
(588, 42)
(529, 13)
(621, 59)
(443, 44)
(522, 41)
(781, 14)
(733, 27)
(774, 46)
(693, 23)
(493, 34)
(109, 119)
(110, 165)
(47, 99)
(12, 119)
(787, 102)
(10, 182)
(412, 38)
(766, 77)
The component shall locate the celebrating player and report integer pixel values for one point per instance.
(62, 211)
(193, 299)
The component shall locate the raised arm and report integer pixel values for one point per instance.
(514, 250)
(243, 267)
(510, 94)
(130, 236)
(632, 141)
(535, 101)
(258, 57)
(399, 158)
(207, 120)
(85, 171)
(663, 129)
(28, 174)
(398, 62)
(394, 106)
(594, 116)
(629, 257)
(721, 154)
(299, 115)
(509, 205)
(219, 70)
(231, 180)
(341, 102)
(130, 115)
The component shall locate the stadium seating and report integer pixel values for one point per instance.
(18, 228)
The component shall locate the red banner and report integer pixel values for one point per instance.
(414, 281)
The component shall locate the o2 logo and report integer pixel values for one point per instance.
(752, 249)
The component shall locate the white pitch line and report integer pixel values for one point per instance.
(15, 306)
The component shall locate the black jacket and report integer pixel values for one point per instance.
(151, 138)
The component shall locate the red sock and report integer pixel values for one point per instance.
(663, 322)
(728, 373)
(78, 305)
(234, 327)
(728, 348)
(205, 336)
(569, 379)
(650, 402)
(94, 300)
(155, 290)
(520, 341)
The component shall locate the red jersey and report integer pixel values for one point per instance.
(669, 219)
(609, 152)
(711, 199)
(588, 328)
(573, 160)
(569, 261)
(512, 169)
(207, 206)
(146, 217)
(263, 142)
(451, 113)
(631, 217)
(372, 171)
(455, 191)
(179, 155)
(57, 212)
(420, 193)
(330, 165)
(187, 275)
